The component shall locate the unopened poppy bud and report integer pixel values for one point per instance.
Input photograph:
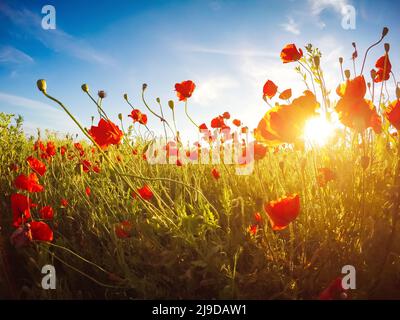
(364, 162)
(144, 86)
(85, 88)
(171, 104)
(317, 61)
(158, 100)
(354, 45)
(120, 116)
(126, 96)
(369, 85)
(102, 94)
(340, 60)
(42, 86)
(347, 73)
(373, 73)
(387, 47)
(398, 92)
(384, 32)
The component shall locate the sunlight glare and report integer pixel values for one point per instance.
(318, 131)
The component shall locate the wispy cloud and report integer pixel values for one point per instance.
(210, 90)
(291, 26)
(11, 55)
(317, 6)
(227, 51)
(56, 40)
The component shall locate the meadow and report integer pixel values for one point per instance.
(116, 226)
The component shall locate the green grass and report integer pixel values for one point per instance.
(191, 241)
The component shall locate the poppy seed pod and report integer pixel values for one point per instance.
(347, 73)
(384, 32)
(102, 94)
(120, 116)
(171, 104)
(398, 92)
(158, 100)
(144, 86)
(369, 85)
(126, 96)
(340, 60)
(387, 47)
(42, 86)
(354, 45)
(373, 73)
(85, 88)
(317, 61)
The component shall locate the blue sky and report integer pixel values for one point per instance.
(228, 48)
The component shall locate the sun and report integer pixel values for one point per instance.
(318, 131)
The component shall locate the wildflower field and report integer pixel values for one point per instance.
(272, 212)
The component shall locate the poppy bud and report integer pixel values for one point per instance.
(387, 47)
(347, 74)
(171, 104)
(158, 100)
(120, 116)
(369, 85)
(42, 86)
(102, 94)
(126, 96)
(398, 92)
(317, 61)
(340, 60)
(373, 73)
(144, 86)
(354, 45)
(364, 162)
(384, 32)
(85, 88)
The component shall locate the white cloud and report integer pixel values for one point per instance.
(210, 90)
(291, 26)
(227, 51)
(56, 40)
(9, 54)
(317, 6)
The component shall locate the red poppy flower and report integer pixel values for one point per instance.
(96, 169)
(285, 123)
(29, 183)
(269, 89)
(324, 176)
(46, 213)
(63, 150)
(354, 111)
(215, 173)
(51, 149)
(393, 114)
(64, 203)
(41, 231)
(106, 133)
(36, 165)
(203, 126)
(253, 229)
(123, 229)
(257, 217)
(179, 163)
(383, 72)
(237, 122)
(184, 89)
(283, 211)
(218, 122)
(286, 94)
(86, 165)
(138, 116)
(78, 146)
(39, 146)
(226, 115)
(290, 53)
(334, 291)
(245, 129)
(145, 192)
(88, 191)
(259, 150)
(20, 207)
